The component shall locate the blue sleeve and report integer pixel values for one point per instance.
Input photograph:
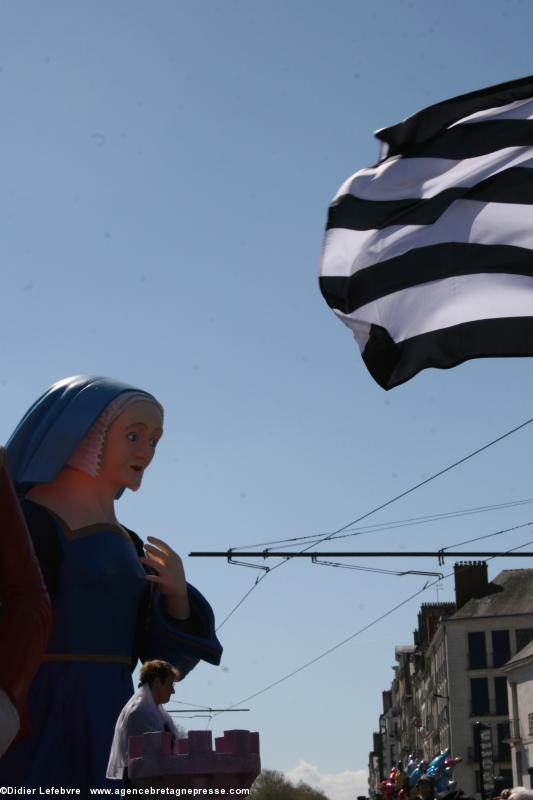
(185, 643)
(181, 643)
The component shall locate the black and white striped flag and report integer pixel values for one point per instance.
(428, 256)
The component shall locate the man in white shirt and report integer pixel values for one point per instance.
(143, 713)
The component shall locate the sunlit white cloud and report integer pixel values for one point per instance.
(344, 785)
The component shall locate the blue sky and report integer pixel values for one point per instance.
(166, 172)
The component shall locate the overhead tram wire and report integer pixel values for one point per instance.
(426, 481)
(205, 710)
(427, 585)
(404, 523)
(340, 644)
(444, 550)
(185, 703)
(368, 554)
(269, 553)
(381, 527)
(380, 508)
(243, 598)
(259, 578)
(375, 570)
(201, 712)
(442, 553)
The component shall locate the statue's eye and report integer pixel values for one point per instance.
(132, 436)
(153, 441)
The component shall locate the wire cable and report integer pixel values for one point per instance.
(427, 585)
(428, 480)
(486, 536)
(243, 598)
(381, 507)
(376, 570)
(185, 703)
(340, 644)
(381, 527)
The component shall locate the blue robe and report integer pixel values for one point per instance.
(106, 616)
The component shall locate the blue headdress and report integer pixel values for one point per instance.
(49, 432)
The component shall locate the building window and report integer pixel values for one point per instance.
(501, 648)
(523, 637)
(530, 721)
(504, 748)
(500, 691)
(477, 654)
(474, 751)
(479, 692)
(507, 775)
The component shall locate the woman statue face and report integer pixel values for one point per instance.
(130, 444)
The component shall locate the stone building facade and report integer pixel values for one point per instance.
(519, 672)
(455, 675)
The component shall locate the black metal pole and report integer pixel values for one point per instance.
(229, 554)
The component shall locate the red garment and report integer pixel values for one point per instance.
(26, 614)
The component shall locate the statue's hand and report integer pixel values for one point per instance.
(170, 576)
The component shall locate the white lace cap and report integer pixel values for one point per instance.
(87, 456)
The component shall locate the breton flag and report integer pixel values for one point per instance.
(428, 255)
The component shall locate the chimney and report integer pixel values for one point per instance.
(471, 580)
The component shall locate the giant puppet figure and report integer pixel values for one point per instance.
(73, 453)
(25, 613)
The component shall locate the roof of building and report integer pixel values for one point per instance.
(523, 654)
(510, 593)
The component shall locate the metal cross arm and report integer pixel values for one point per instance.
(230, 554)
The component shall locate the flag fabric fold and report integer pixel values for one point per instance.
(428, 255)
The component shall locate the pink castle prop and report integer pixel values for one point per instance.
(234, 764)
